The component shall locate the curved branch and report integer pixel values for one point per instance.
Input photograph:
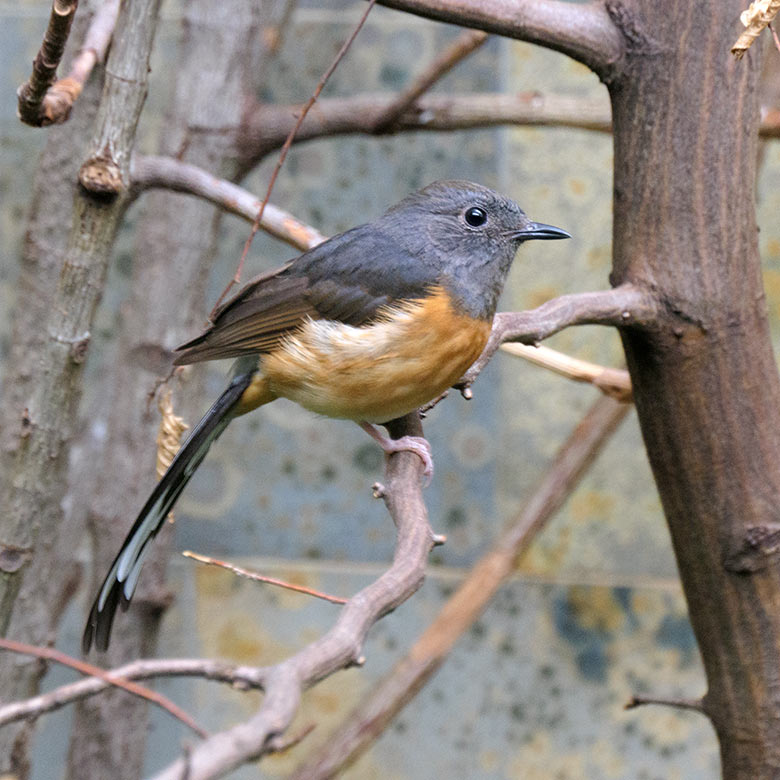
(583, 31)
(623, 306)
(147, 172)
(341, 646)
(34, 707)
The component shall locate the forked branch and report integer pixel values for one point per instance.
(342, 645)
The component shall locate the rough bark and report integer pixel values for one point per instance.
(36, 395)
(36, 477)
(705, 381)
(216, 67)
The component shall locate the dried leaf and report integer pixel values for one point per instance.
(757, 16)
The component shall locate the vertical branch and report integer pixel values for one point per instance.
(176, 241)
(42, 397)
(705, 379)
(42, 598)
(36, 484)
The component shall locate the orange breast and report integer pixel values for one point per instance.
(378, 372)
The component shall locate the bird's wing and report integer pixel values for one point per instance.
(350, 278)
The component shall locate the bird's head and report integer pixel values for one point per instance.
(471, 233)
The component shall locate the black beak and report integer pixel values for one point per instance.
(540, 231)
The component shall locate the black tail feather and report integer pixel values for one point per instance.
(122, 577)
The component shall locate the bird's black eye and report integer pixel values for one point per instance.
(475, 216)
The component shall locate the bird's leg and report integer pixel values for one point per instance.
(416, 444)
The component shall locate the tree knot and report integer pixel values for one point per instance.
(101, 177)
(757, 548)
(13, 558)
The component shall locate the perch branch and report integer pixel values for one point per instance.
(109, 678)
(341, 646)
(467, 42)
(241, 572)
(149, 172)
(623, 306)
(614, 382)
(364, 724)
(583, 31)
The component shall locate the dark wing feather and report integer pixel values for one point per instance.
(348, 278)
(254, 321)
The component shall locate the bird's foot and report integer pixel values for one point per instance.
(417, 444)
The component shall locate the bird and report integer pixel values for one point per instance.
(367, 326)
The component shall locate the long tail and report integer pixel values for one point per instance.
(120, 582)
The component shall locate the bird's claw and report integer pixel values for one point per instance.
(419, 446)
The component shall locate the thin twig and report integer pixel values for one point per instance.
(240, 677)
(614, 382)
(683, 704)
(262, 577)
(364, 724)
(51, 654)
(467, 42)
(774, 36)
(30, 94)
(286, 148)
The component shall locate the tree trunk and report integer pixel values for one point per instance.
(64, 261)
(705, 381)
(217, 66)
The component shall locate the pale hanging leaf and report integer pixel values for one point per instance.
(757, 16)
(168, 435)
